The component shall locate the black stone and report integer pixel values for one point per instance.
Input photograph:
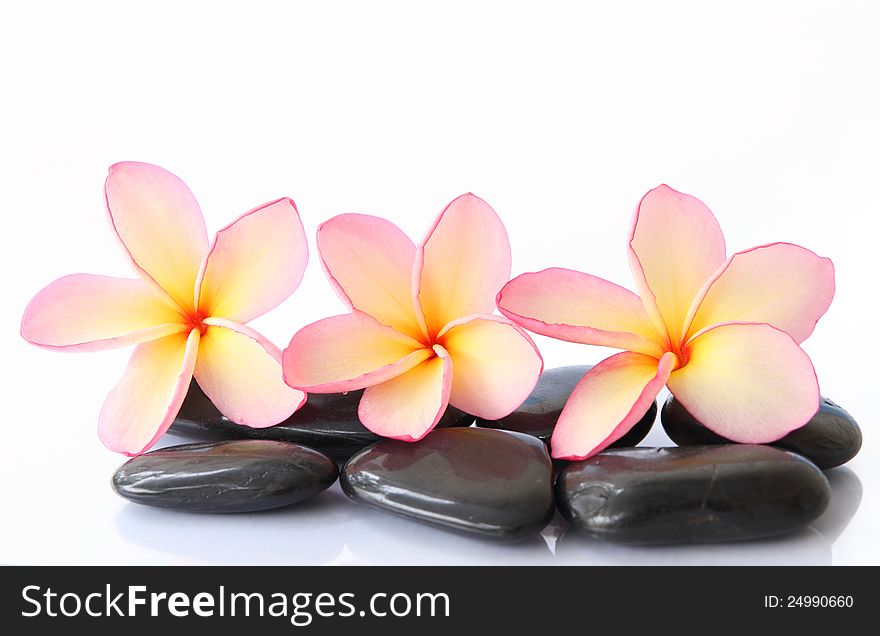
(231, 476)
(830, 439)
(537, 416)
(328, 422)
(695, 494)
(491, 483)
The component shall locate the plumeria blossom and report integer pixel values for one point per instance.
(420, 334)
(722, 335)
(186, 311)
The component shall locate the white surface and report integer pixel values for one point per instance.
(560, 115)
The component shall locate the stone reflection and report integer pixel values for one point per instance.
(309, 533)
(846, 496)
(378, 538)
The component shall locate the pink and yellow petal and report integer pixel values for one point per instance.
(496, 365)
(255, 263)
(143, 405)
(348, 352)
(160, 225)
(750, 383)
(85, 312)
(240, 371)
(462, 263)
(370, 264)
(578, 307)
(610, 399)
(408, 406)
(784, 285)
(675, 246)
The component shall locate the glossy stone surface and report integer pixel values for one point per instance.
(230, 476)
(830, 439)
(328, 422)
(537, 416)
(487, 482)
(694, 494)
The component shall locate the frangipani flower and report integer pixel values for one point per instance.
(723, 335)
(185, 312)
(420, 334)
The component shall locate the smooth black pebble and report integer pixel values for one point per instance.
(230, 476)
(537, 416)
(695, 494)
(491, 483)
(328, 422)
(830, 439)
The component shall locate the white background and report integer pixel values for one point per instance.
(560, 115)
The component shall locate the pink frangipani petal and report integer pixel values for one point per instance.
(578, 307)
(607, 403)
(675, 245)
(496, 365)
(143, 405)
(409, 405)
(85, 312)
(369, 262)
(160, 225)
(462, 263)
(255, 263)
(783, 285)
(348, 352)
(748, 382)
(240, 371)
